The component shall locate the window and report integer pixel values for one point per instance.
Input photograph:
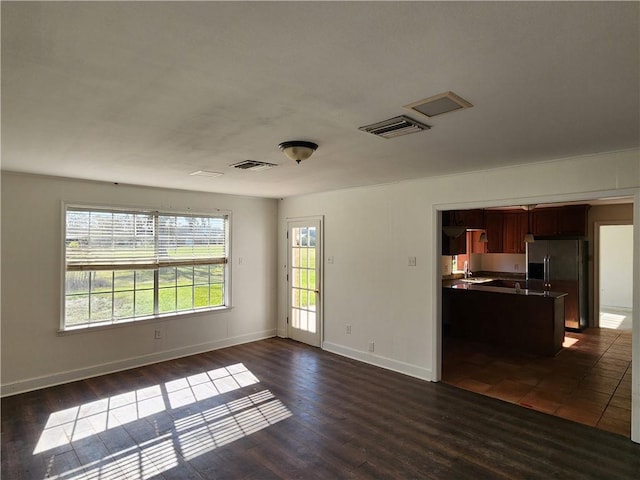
(122, 266)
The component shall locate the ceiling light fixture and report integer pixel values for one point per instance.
(298, 150)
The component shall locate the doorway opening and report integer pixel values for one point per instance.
(615, 276)
(588, 381)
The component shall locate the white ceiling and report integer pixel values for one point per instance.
(146, 93)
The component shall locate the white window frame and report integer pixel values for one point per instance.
(226, 303)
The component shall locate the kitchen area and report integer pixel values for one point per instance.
(515, 315)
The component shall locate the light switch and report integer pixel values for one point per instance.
(412, 261)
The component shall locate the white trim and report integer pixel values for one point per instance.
(37, 383)
(436, 305)
(306, 221)
(96, 327)
(379, 361)
(170, 209)
(635, 325)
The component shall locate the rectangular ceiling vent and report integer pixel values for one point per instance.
(438, 104)
(206, 173)
(394, 127)
(253, 165)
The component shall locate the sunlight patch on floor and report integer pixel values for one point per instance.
(82, 421)
(616, 321)
(190, 435)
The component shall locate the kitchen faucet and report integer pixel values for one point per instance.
(467, 272)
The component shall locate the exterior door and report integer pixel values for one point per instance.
(303, 275)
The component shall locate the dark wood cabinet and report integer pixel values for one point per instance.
(454, 245)
(472, 218)
(474, 245)
(522, 322)
(560, 221)
(514, 228)
(506, 229)
(494, 229)
(572, 220)
(457, 244)
(462, 218)
(544, 222)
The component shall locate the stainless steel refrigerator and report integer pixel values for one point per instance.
(561, 266)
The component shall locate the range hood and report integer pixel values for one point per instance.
(454, 231)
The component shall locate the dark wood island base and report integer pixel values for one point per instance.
(527, 321)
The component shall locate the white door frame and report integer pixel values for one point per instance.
(302, 221)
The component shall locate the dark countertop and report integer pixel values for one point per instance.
(518, 277)
(511, 291)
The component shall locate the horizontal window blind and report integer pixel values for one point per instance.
(98, 240)
(119, 240)
(190, 240)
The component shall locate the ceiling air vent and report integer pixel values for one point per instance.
(438, 104)
(253, 165)
(206, 173)
(394, 127)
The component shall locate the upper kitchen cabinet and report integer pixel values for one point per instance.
(514, 229)
(463, 218)
(560, 221)
(494, 229)
(455, 223)
(454, 245)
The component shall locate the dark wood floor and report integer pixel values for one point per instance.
(280, 409)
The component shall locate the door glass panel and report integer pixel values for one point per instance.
(312, 321)
(303, 278)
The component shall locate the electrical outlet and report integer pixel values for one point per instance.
(157, 335)
(330, 259)
(372, 346)
(348, 329)
(412, 261)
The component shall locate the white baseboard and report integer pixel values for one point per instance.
(37, 383)
(379, 361)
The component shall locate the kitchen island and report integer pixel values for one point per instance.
(525, 320)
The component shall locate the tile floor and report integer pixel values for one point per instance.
(589, 381)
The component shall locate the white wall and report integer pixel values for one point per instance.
(371, 231)
(34, 355)
(616, 262)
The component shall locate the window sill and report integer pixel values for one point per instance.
(142, 321)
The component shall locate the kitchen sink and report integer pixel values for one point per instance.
(476, 280)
